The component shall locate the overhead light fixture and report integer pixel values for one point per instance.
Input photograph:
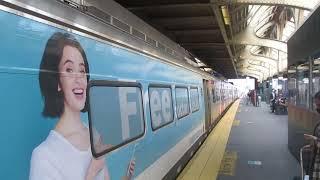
(225, 14)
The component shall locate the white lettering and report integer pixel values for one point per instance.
(182, 102)
(166, 106)
(126, 109)
(155, 108)
(195, 99)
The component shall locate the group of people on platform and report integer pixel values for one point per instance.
(278, 102)
(253, 98)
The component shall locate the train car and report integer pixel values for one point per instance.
(141, 109)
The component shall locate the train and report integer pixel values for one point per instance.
(144, 102)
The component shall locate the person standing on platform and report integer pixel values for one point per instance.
(248, 97)
(273, 100)
(257, 99)
(252, 97)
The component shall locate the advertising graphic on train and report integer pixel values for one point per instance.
(55, 66)
(64, 74)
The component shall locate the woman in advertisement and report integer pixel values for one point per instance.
(63, 78)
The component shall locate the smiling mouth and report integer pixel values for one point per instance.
(78, 92)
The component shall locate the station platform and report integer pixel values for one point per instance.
(249, 143)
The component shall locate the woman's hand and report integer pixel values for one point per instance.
(130, 170)
(310, 137)
(96, 165)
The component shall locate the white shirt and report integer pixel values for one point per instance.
(273, 96)
(57, 159)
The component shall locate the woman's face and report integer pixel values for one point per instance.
(73, 80)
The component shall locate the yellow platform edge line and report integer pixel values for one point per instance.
(205, 164)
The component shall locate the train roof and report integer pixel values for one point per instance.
(109, 22)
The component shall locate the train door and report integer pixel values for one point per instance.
(207, 102)
(215, 101)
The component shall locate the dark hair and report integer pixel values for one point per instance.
(317, 95)
(49, 73)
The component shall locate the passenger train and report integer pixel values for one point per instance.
(145, 103)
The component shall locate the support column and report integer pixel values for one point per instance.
(269, 71)
(278, 66)
(310, 59)
(298, 17)
(296, 97)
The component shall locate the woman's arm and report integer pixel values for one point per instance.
(96, 165)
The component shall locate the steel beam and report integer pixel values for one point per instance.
(244, 64)
(168, 6)
(219, 18)
(265, 26)
(264, 70)
(252, 74)
(259, 69)
(267, 69)
(246, 54)
(251, 70)
(248, 72)
(253, 62)
(301, 4)
(248, 37)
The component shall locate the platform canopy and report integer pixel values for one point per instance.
(232, 37)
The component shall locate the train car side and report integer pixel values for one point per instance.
(147, 109)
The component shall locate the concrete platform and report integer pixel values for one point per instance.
(260, 144)
(205, 163)
(249, 143)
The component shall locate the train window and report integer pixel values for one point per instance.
(182, 102)
(161, 108)
(194, 98)
(115, 115)
(292, 84)
(303, 85)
